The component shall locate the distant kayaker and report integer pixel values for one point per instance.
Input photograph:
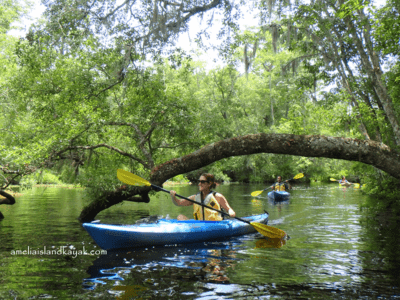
(281, 186)
(344, 181)
(207, 197)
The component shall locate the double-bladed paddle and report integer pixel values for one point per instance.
(132, 179)
(256, 193)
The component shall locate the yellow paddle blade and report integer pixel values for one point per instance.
(131, 179)
(333, 179)
(356, 185)
(268, 231)
(256, 193)
(300, 175)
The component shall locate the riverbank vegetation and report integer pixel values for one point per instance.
(85, 93)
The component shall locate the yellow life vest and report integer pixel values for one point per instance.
(279, 186)
(209, 214)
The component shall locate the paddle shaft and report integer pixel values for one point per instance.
(201, 204)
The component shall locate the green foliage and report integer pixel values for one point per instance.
(347, 8)
(82, 107)
(382, 187)
(180, 179)
(387, 26)
(40, 177)
(392, 79)
(98, 180)
(12, 11)
(218, 171)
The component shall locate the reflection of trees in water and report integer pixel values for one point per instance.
(381, 256)
(211, 266)
(128, 291)
(220, 261)
(215, 269)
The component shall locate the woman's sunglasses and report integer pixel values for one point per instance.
(203, 181)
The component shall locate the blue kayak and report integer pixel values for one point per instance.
(279, 195)
(169, 232)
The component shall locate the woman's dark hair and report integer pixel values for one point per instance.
(210, 178)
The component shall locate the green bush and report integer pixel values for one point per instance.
(40, 177)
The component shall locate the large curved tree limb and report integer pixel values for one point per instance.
(368, 152)
(9, 199)
(109, 199)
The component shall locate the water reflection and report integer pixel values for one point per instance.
(206, 261)
(127, 292)
(138, 271)
(270, 243)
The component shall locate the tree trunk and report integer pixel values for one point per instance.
(370, 63)
(109, 199)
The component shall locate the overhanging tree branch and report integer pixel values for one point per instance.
(368, 152)
(115, 149)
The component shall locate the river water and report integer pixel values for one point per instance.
(339, 248)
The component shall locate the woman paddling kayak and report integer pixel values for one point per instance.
(344, 182)
(207, 197)
(280, 186)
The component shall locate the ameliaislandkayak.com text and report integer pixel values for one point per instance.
(63, 250)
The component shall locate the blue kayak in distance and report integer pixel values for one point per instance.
(279, 195)
(169, 232)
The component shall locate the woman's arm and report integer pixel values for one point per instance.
(288, 186)
(224, 204)
(179, 201)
